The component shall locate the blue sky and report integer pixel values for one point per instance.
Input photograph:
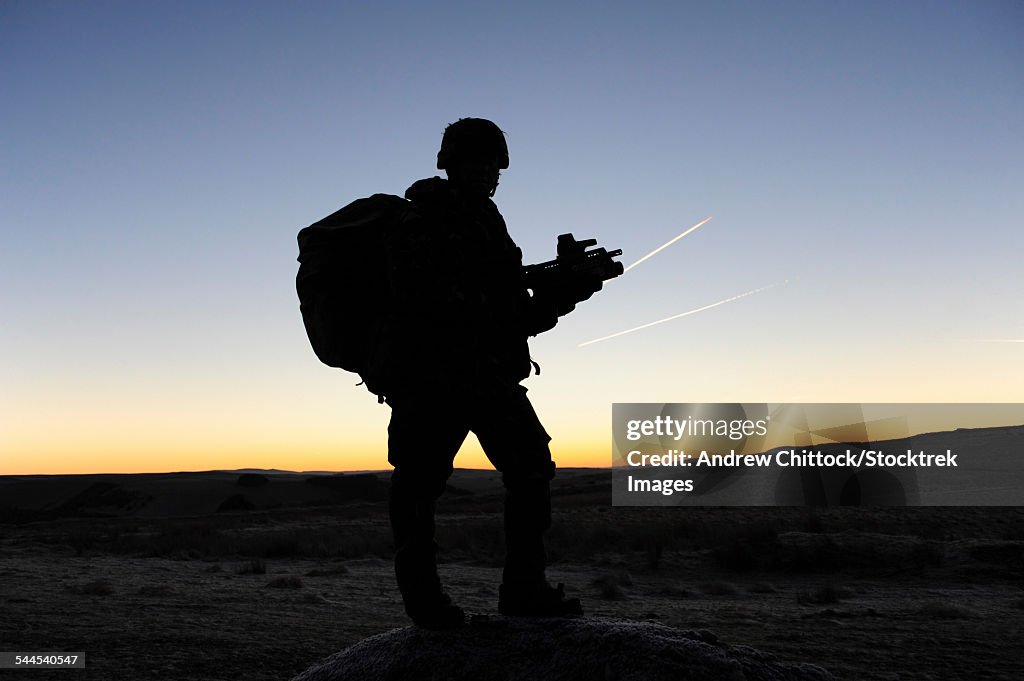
(158, 158)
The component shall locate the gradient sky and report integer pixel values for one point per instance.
(158, 158)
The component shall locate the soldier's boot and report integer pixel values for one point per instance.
(426, 603)
(438, 613)
(538, 600)
(525, 591)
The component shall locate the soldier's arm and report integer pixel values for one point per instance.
(542, 314)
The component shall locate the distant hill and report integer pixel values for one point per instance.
(27, 498)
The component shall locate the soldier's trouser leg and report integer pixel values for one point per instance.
(517, 444)
(412, 525)
(421, 447)
(527, 518)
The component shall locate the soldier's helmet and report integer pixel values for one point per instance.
(472, 139)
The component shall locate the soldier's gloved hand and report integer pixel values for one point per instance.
(549, 305)
(564, 307)
(584, 286)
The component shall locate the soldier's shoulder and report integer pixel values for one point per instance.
(429, 191)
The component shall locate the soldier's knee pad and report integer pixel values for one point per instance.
(516, 477)
(419, 483)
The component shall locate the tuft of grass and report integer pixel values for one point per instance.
(812, 522)
(823, 595)
(746, 547)
(610, 585)
(81, 540)
(927, 554)
(285, 582)
(718, 588)
(1013, 531)
(654, 550)
(98, 587)
(255, 566)
(328, 571)
(217, 538)
(943, 610)
(761, 588)
(673, 591)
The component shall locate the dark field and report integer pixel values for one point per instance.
(150, 580)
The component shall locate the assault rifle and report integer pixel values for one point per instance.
(574, 265)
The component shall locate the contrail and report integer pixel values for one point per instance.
(1003, 340)
(664, 246)
(684, 314)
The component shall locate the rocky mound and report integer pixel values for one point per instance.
(554, 650)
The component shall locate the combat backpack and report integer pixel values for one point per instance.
(342, 279)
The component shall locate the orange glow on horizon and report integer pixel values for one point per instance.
(365, 456)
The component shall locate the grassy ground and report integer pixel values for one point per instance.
(901, 593)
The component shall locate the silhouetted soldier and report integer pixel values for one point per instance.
(450, 358)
